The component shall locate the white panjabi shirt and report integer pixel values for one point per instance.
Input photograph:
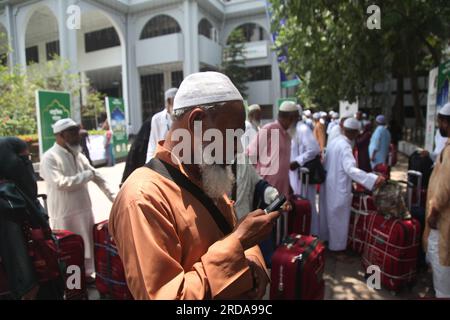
(161, 123)
(336, 192)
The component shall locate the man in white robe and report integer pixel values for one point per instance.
(336, 192)
(334, 122)
(304, 148)
(161, 123)
(67, 172)
(336, 131)
(252, 125)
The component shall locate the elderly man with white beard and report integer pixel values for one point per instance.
(175, 228)
(336, 192)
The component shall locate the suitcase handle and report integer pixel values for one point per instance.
(409, 186)
(303, 171)
(419, 176)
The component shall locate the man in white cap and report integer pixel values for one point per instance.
(305, 148)
(67, 172)
(279, 160)
(334, 122)
(307, 118)
(252, 125)
(336, 192)
(437, 230)
(319, 131)
(379, 143)
(336, 131)
(174, 226)
(161, 123)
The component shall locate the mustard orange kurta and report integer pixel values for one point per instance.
(171, 247)
(320, 134)
(438, 196)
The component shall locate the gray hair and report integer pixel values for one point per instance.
(180, 113)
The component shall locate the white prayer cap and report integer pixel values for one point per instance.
(307, 113)
(288, 106)
(330, 113)
(335, 115)
(316, 116)
(323, 114)
(445, 110)
(254, 107)
(352, 123)
(170, 93)
(64, 124)
(205, 88)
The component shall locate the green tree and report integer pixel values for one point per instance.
(330, 42)
(17, 93)
(233, 64)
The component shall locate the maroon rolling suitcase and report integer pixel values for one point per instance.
(110, 275)
(299, 219)
(297, 269)
(393, 245)
(362, 206)
(71, 254)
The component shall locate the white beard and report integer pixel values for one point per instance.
(74, 149)
(292, 131)
(216, 179)
(255, 123)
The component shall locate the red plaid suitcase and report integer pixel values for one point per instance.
(362, 206)
(71, 253)
(393, 245)
(299, 219)
(297, 269)
(110, 275)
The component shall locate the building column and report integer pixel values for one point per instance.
(133, 84)
(190, 35)
(276, 84)
(68, 45)
(13, 57)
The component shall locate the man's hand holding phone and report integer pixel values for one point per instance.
(257, 225)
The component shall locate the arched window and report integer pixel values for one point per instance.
(204, 28)
(253, 32)
(160, 26)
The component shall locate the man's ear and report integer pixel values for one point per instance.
(196, 115)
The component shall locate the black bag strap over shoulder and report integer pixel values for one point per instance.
(173, 174)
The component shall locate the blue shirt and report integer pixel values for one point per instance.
(380, 141)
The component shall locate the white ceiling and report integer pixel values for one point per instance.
(105, 78)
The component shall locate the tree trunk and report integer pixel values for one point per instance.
(399, 109)
(415, 95)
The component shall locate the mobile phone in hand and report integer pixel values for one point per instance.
(276, 204)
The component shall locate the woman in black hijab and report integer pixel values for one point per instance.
(19, 207)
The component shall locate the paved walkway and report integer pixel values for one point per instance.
(344, 279)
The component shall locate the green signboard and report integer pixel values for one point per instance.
(290, 83)
(51, 106)
(115, 109)
(443, 85)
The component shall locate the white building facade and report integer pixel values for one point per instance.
(137, 49)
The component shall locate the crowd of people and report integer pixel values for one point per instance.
(191, 229)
